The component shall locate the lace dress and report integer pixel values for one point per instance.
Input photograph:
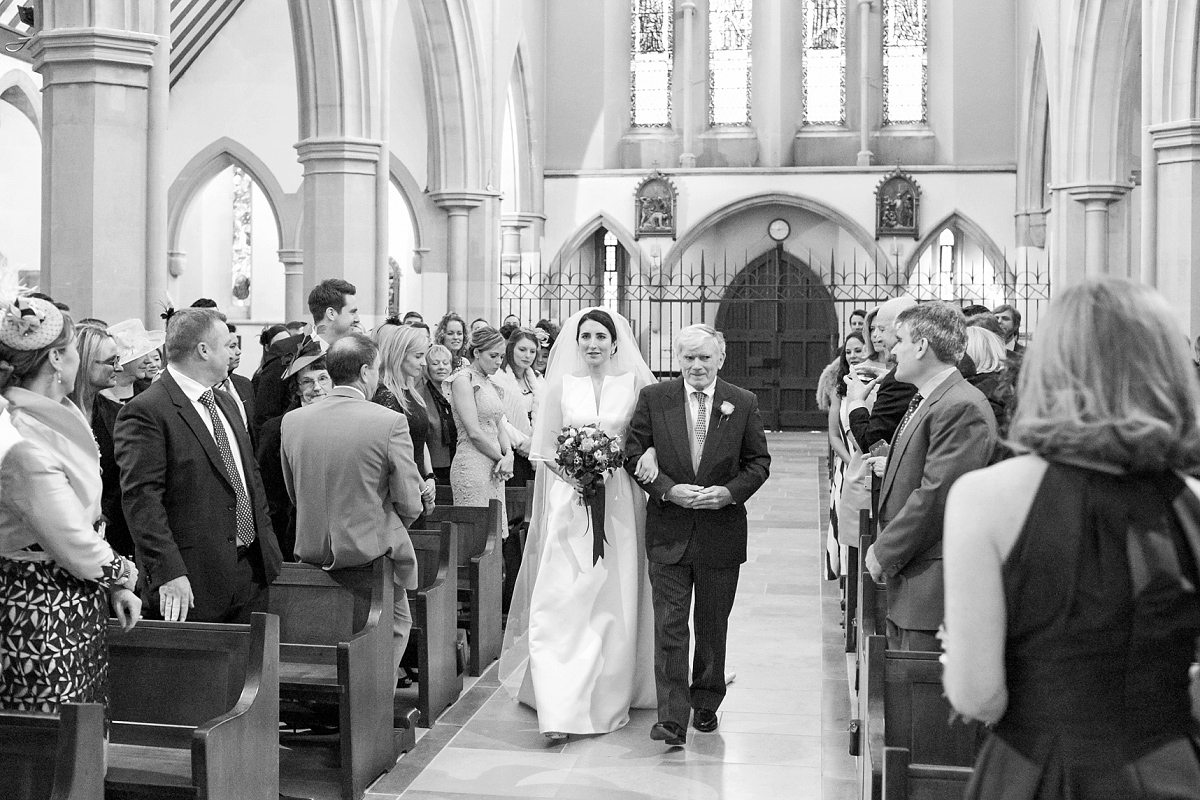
(471, 476)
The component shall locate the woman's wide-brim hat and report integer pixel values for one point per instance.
(29, 323)
(134, 341)
(309, 352)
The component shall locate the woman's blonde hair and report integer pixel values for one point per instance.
(88, 341)
(395, 343)
(986, 349)
(1109, 380)
(436, 351)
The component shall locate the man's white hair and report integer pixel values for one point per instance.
(694, 335)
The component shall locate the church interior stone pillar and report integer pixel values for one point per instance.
(340, 215)
(96, 107)
(295, 305)
(1178, 200)
(458, 207)
(1096, 198)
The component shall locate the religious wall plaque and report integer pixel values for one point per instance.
(654, 207)
(897, 206)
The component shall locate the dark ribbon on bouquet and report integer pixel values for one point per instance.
(597, 509)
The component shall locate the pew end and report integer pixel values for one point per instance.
(71, 742)
(195, 709)
(903, 780)
(434, 605)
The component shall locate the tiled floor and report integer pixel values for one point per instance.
(782, 731)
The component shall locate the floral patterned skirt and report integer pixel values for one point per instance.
(53, 637)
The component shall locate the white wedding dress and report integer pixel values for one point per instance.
(590, 628)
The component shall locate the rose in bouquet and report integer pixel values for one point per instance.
(588, 455)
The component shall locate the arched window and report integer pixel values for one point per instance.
(243, 242)
(958, 267)
(613, 281)
(729, 36)
(652, 51)
(824, 75)
(904, 61)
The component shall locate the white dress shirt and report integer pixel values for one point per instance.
(693, 406)
(930, 386)
(193, 390)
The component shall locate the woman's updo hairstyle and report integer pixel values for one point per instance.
(483, 339)
(604, 318)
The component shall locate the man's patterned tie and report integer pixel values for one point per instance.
(245, 516)
(912, 409)
(701, 420)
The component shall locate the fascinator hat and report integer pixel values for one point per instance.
(28, 323)
(134, 341)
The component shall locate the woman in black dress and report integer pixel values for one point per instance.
(1072, 612)
(402, 351)
(442, 440)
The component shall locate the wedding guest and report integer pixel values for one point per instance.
(1072, 615)
(350, 471)
(947, 431)
(851, 492)
(479, 322)
(271, 335)
(308, 381)
(191, 488)
(239, 387)
(442, 440)
(483, 460)
(135, 345)
(402, 350)
(986, 350)
(333, 304)
(522, 390)
(451, 333)
(412, 316)
(892, 395)
(1010, 320)
(513, 319)
(59, 578)
(858, 320)
(99, 367)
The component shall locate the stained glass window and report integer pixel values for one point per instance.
(729, 36)
(824, 62)
(650, 63)
(904, 61)
(243, 254)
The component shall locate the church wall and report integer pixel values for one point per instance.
(408, 132)
(242, 86)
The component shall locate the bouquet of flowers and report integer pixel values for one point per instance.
(588, 455)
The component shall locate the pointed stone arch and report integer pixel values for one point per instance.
(19, 90)
(210, 162)
(971, 229)
(1034, 157)
(879, 258)
(588, 230)
(530, 187)
(1180, 60)
(420, 209)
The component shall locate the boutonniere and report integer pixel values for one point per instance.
(726, 409)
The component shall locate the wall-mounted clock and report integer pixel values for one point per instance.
(779, 229)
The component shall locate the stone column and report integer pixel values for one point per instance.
(687, 159)
(511, 273)
(464, 283)
(157, 123)
(95, 140)
(295, 297)
(1178, 237)
(1096, 198)
(340, 216)
(864, 84)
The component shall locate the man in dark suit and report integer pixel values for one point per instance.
(948, 430)
(712, 456)
(878, 424)
(334, 309)
(239, 387)
(191, 490)
(1010, 321)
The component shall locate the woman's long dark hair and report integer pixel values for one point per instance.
(844, 365)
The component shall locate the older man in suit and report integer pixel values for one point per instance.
(948, 430)
(712, 456)
(349, 469)
(191, 490)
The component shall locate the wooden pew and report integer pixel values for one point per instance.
(195, 709)
(906, 781)
(336, 647)
(434, 606)
(59, 756)
(907, 711)
(480, 576)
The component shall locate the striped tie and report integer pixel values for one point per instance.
(243, 512)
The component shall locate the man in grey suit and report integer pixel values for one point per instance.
(948, 430)
(349, 469)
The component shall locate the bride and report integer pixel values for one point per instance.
(579, 646)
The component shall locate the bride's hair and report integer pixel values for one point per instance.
(601, 316)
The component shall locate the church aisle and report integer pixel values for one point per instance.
(782, 723)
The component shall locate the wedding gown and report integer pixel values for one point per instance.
(590, 628)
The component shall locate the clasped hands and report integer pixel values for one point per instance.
(503, 470)
(701, 498)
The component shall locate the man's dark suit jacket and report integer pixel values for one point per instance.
(180, 504)
(735, 456)
(952, 433)
(270, 392)
(880, 423)
(245, 390)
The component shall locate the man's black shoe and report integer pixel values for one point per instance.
(704, 720)
(668, 732)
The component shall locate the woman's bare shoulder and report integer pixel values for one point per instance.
(996, 500)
